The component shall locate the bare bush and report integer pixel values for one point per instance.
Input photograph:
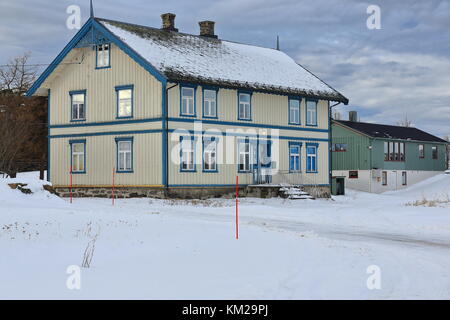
(89, 253)
(424, 202)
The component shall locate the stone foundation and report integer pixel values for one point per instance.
(183, 193)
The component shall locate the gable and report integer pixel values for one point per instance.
(91, 34)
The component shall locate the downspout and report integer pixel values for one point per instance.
(166, 136)
(330, 137)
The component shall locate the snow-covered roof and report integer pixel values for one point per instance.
(186, 57)
(385, 131)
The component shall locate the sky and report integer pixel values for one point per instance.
(401, 70)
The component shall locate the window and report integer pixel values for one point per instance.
(244, 112)
(311, 157)
(124, 101)
(78, 158)
(124, 154)
(244, 156)
(421, 151)
(265, 153)
(404, 178)
(188, 101)
(386, 151)
(187, 153)
(209, 103)
(402, 151)
(353, 174)
(339, 147)
(294, 157)
(103, 56)
(384, 178)
(78, 105)
(394, 151)
(294, 111)
(434, 152)
(311, 113)
(391, 151)
(210, 154)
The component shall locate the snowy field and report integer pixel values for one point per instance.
(162, 249)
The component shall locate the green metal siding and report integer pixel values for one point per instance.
(412, 160)
(357, 156)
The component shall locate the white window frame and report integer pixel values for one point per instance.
(187, 154)
(120, 113)
(311, 113)
(190, 101)
(103, 56)
(244, 107)
(76, 104)
(245, 155)
(296, 156)
(210, 154)
(313, 157)
(208, 110)
(122, 155)
(78, 158)
(294, 111)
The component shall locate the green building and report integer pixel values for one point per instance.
(376, 158)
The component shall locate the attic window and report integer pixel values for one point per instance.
(103, 56)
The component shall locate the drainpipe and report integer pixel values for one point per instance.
(330, 137)
(166, 133)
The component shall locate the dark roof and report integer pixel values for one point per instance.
(390, 132)
(192, 58)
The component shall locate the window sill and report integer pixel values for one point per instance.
(125, 171)
(77, 120)
(100, 68)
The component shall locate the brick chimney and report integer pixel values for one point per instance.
(168, 22)
(207, 29)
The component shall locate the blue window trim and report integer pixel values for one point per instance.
(316, 145)
(299, 145)
(249, 141)
(71, 93)
(299, 99)
(125, 87)
(191, 138)
(119, 139)
(96, 57)
(250, 93)
(193, 86)
(71, 142)
(215, 139)
(306, 112)
(203, 101)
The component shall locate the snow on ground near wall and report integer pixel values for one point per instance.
(158, 249)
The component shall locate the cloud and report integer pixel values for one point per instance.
(402, 68)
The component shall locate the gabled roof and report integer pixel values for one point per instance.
(384, 131)
(191, 58)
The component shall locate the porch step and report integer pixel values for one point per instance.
(294, 193)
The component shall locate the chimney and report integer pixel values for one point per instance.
(353, 116)
(207, 29)
(168, 22)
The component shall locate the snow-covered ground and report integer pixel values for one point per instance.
(166, 249)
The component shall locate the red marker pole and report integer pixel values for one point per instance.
(70, 184)
(113, 176)
(237, 207)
